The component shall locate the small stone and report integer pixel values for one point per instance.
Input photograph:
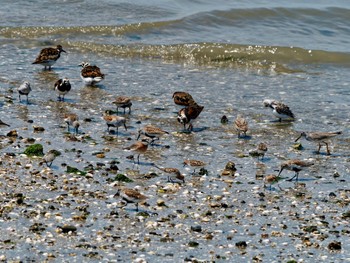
(241, 244)
(297, 146)
(196, 228)
(68, 228)
(334, 245)
(12, 133)
(160, 202)
(38, 128)
(100, 155)
(193, 244)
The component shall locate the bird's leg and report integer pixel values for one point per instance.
(138, 159)
(328, 151)
(291, 179)
(27, 100)
(297, 176)
(137, 207)
(319, 148)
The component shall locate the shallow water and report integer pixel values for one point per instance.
(148, 51)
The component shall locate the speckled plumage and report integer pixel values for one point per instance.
(195, 164)
(174, 174)
(152, 132)
(188, 115)
(240, 125)
(91, 75)
(123, 102)
(183, 98)
(49, 56)
(279, 109)
(132, 196)
(115, 121)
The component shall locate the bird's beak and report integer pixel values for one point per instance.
(125, 127)
(280, 172)
(138, 137)
(298, 138)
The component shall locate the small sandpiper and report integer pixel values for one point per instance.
(152, 132)
(195, 164)
(24, 89)
(259, 151)
(174, 174)
(50, 156)
(114, 121)
(139, 147)
(49, 56)
(271, 179)
(296, 166)
(241, 126)
(72, 120)
(319, 137)
(131, 196)
(123, 102)
(91, 75)
(62, 87)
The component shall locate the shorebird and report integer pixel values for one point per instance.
(224, 119)
(271, 179)
(152, 132)
(90, 74)
(279, 109)
(131, 196)
(62, 87)
(188, 115)
(240, 125)
(195, 164)
(319, 137)
(3, 123)
(72, 120)
(24, 89)
(183, 98)
(123, 102)
(229, 170)
(296, 166)
(50, 156)
(139, 147)
(259, 151)
(49, 56)
(114, 121)
(173, 174)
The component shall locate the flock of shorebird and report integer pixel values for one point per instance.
(92, 75)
